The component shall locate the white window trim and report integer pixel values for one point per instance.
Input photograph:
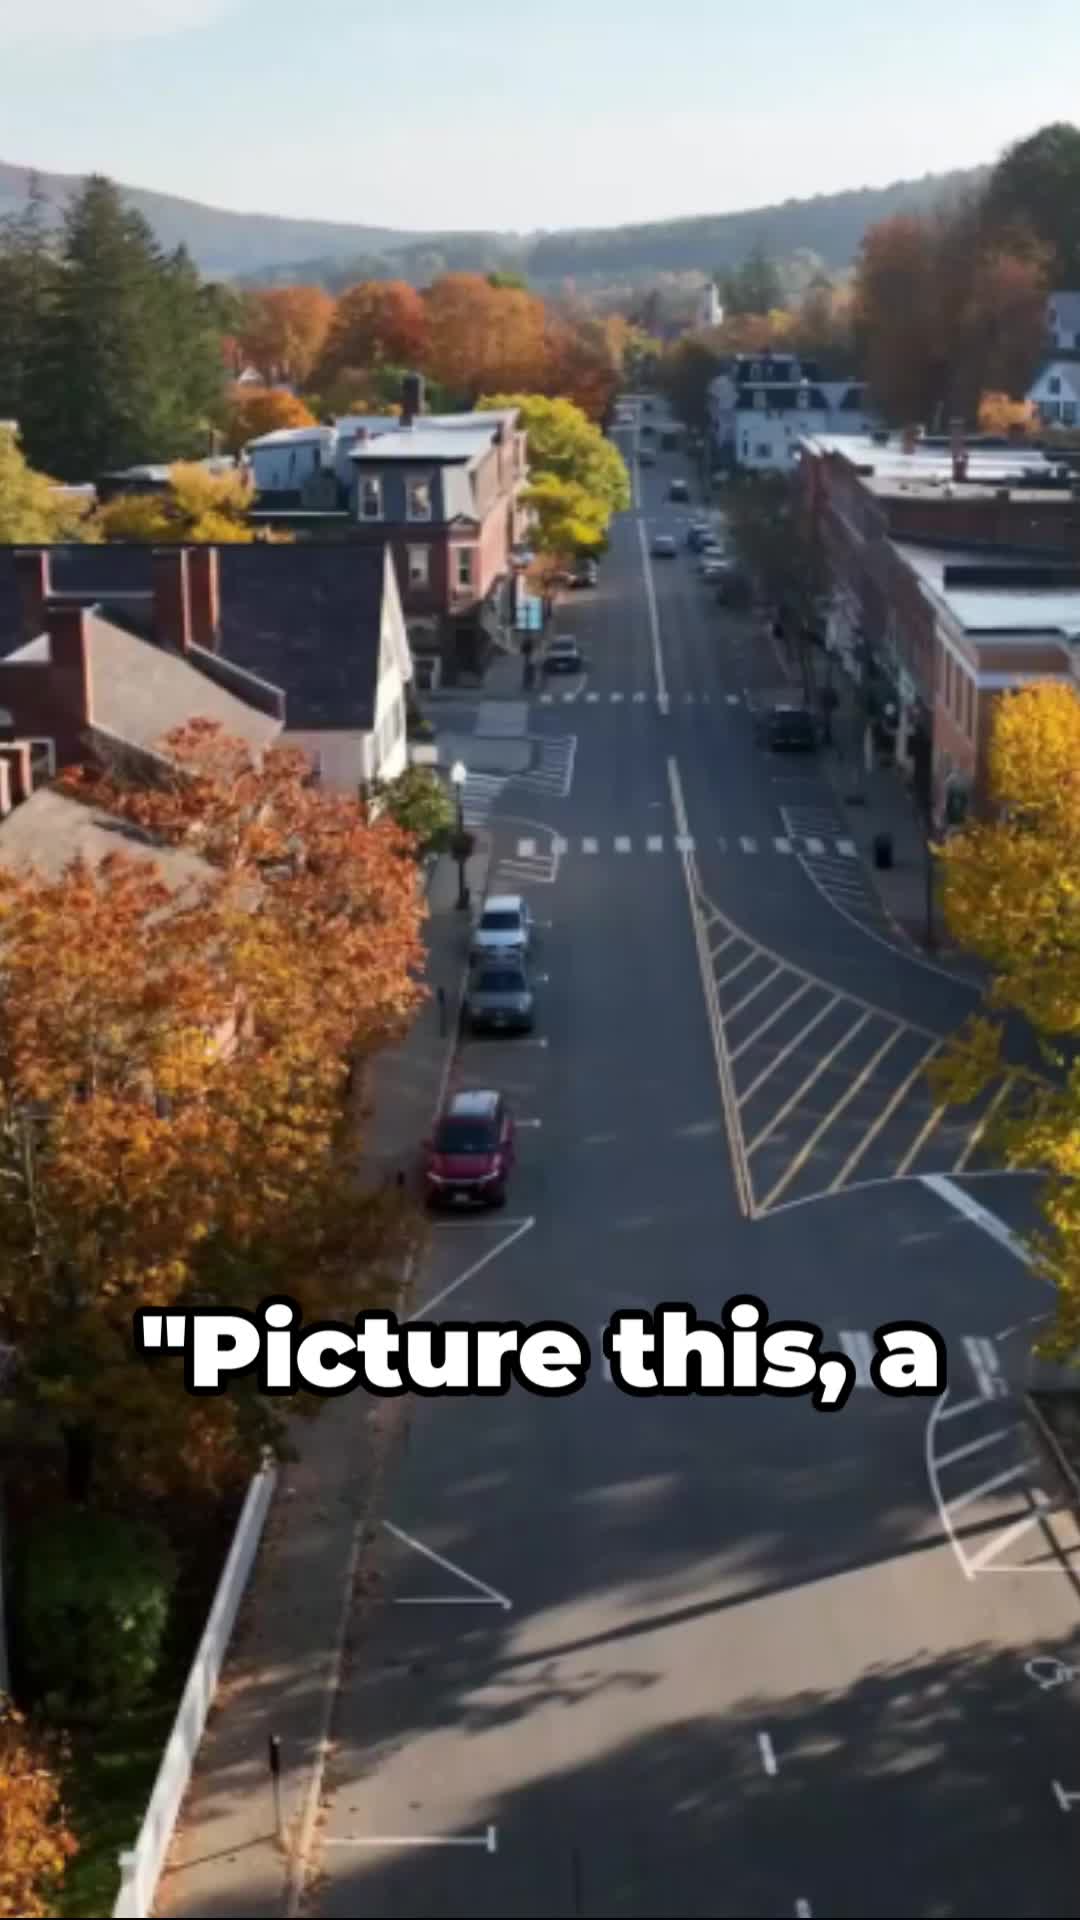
(371, 480)
(419, 480)
(422, 578)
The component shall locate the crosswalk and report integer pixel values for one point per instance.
(622, 845)
(980, 1355)
(551, 776)
(590, 697)
(818, 826)
(478, 796)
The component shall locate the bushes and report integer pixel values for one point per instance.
(95, 1596)
(35, 1844)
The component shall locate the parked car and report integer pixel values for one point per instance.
(646, 457)
(504, 930)
(714, 570)
(786, 729)
(678, 490)
(499, 998)
(701, 534)
(664, 546)
(585, 574)
(564, 656)
(470, 1155)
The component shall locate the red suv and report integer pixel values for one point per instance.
(471, 1152)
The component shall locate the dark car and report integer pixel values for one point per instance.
(469, 1157)
(700, 535)
(564, 656)
(678, 490)
(499, 999)
(664, 546)
(585, 574)
(787, 729)
(646, 457)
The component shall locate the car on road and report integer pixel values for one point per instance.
(786, 729)
(664, 546)
(470, 1154)
(679, 490)
(711, 557)
(715, 569)
(701, 534)
(585, 574)
(499, 998)
(646, 457)
(563, 655)
(504, 930)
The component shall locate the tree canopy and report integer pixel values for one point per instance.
(33, 510)
(578, 478)
(1036, 184)
(198, 505)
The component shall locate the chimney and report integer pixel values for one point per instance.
(958, 447)
(412, 398)
(33, 577)
(909, 440)
(204, 597)
(69, 647)
(172, 598)
(17, 772)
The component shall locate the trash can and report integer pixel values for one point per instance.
(883, 850)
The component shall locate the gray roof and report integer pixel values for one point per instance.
(991, 607)
(424, 443)
(141, 692)
(50, 830)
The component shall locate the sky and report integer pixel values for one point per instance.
(564, 113)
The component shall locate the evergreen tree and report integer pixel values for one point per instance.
(28, 278)
(755, 287)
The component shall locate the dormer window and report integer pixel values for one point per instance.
(1053, 385)
(755, 371)
(370, 498)
(418, 498)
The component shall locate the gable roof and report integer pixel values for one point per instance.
(141, 691)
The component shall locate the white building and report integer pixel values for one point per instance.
(1063, 322)
(762, 406)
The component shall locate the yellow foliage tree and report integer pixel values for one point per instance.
(998, 414)
(35, 1842)
(1012, 895)
(197, 506)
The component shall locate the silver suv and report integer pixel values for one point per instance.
(504, 929)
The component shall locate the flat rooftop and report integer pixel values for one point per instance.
(993, 608)
(886, 469)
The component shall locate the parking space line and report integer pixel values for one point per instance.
(974, 1446)
(860, 1351)
(882, 1120)
(790, 1048)
(963, 1406)
(998, 1544)
(833, 1115)
(980, 1492)
(622, 845)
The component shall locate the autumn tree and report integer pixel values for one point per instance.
(36, 1843)
(375, 322)
(1011, 894)
(253, 411)
(1002, 416)
(198, 506)
(483, 337)
(173, 1052)
(282, 331)
(578, 479)
(33, 510)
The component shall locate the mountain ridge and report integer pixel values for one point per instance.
(265, 246)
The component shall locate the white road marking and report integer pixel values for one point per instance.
(616, 697)
(979, 1216)
(860, 1351)
(803, 1910)
(998, 1544)
(848, 848)
(547, 699)
(590, 846)
(747, 845)
(930, 1125)
(1064, 1799)
(982, 1365)
(733, 700)
(753, 993)
(815, 846)
(985, 1487)
(799, 994)
(654, 843)
(622, 845)
(736, 970)
(639, 698)
(684, 843)
(654, 622)
(502, 1246)
(768, 1757)
(782, 846)
(974, 1446)
(530, 1123)
(977, 1134)
(526, 849)
(962, 1406)
(559, 847)
(592, 698)
(483, 1596)
(487, 1840)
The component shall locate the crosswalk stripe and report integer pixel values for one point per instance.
(733, 699)
(592, 698)
(547, 699)
(984, 1363)
(684, 843)
(622, 846)
(567, 698)
(526, 849)
(639, 697)
(654, 843)
(815, 846)
(860, 1351)
(847, 848)
(782, 846)
(590, 846)
(559, 847)
(616, 696)
(748, 846)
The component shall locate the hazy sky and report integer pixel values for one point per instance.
(562, 113)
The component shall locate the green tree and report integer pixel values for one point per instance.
(1036, 184)
(418, 802)
(685, 373)
(28, 278)
(755, 287)
(503, 277)
(564, 442)
(33, 511)
(129, 366)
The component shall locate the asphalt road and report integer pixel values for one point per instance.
(729, 1656)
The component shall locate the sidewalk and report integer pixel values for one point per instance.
(280, 1676)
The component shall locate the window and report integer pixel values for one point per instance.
(762, 449)
(417, 498)
(419, 566)
(370, 498)
(464, 566)
(1051, 411)
(42, 760)
(1053, 385)
(1068, 413)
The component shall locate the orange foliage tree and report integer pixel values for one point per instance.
(172, 1065)
(376, 322)
(1000, 415)
(283, 329)
(484, 337)
(35, 1842)
(257, 410)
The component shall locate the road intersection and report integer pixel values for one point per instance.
(726, 1657)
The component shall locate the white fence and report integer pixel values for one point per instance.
(141, 1868)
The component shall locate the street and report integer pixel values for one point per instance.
(685, 1656)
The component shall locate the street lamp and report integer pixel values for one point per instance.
(458, 775)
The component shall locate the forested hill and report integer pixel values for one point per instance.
(262, 246)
